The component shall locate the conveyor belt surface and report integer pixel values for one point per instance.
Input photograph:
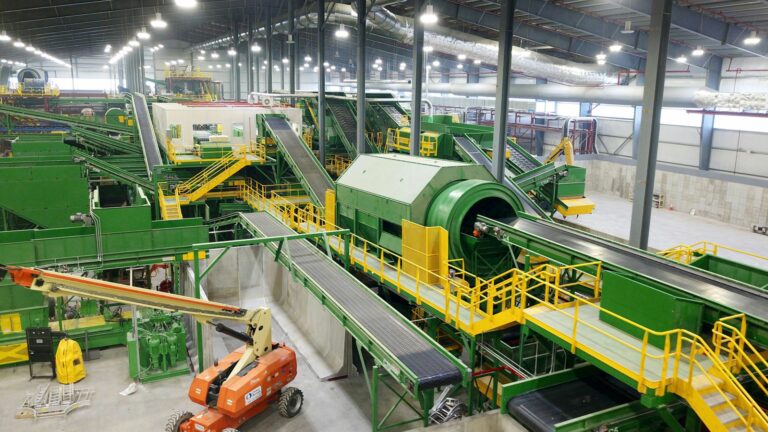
(480, 158)
(430, 366)
(541, 410)
(146, 132)
(729, 293)
(394, 114)
(520, 160)
(302, 157)
(346, 121)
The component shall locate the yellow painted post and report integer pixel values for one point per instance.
(643, 354)
(575, 324)
(660, 390)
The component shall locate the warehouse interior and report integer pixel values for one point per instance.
(407, 215)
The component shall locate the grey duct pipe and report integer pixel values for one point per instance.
(446, 41)
(681, 97)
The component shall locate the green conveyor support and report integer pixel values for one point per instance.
(114, 171)
(104, 144)
(68, 120)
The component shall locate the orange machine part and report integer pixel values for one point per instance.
(241, 397)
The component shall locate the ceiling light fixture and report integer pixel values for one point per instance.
(601, 62)
(342, 32)
(698, 52)
(29, 48)
(460, 66)
(231, 51)
(142, 34)
(4, 37)
(428, 48)
(133, 42)
(18, 43)
(601, 56)
(627, 28)
(462, 57)
(403, 66)
(201, 58)
(429, 16)
(214, 55)
(753, 39)
(681, 59)
(158, 22)
(284, 60)
(108, 49)
(256, 48)
(186, 4)
(614, 48)
(436, 63)
(477, 62)
(307, 58)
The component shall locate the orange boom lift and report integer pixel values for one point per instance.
(234, 389)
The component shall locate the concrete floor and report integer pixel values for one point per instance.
(670, 228)
(339, 406)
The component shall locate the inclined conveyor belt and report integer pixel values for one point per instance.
(480, 158)
(394, 114)
(302, 157)
(520, 160)
(345, 119)
(146, 132)
(430, 367)
(727, 292)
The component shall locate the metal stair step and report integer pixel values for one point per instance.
(728, 415)
(742, 428)
(714, 399)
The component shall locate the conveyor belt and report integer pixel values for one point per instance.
(397, 117)
(430, 366)
(146, 132)
(541, 410)
(520, 160)
(346, 121)
(480, 158)
(301, 156)
(729, 293)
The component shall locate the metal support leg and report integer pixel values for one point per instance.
(321, 79)
(375, 398)
(503, 73)
(418, 76)
(198, 326)
(362, 12)
(658, 40)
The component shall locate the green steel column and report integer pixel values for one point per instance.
(503, 75)
(198, 326)
(375, 399)
(427, 399)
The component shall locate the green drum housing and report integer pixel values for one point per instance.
(377, 192)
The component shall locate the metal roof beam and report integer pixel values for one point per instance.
(730, 34)
(598, 27)
(536, 34)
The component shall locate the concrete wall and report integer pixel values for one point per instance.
(726, 198)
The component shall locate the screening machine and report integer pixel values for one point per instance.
(234, 389)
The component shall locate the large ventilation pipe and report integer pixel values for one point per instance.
(446, 41)
(681, 97)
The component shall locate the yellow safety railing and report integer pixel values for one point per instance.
(687, 253)
(681, 347)
(184, 73)
(337, 164)
(20, 90)
(730, 341)
(207, 174)
(400, 140)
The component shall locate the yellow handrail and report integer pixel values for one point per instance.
(686, 253)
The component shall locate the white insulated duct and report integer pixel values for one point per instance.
(449, 42)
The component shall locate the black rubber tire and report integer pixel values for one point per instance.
(291, 401)
(176, 420)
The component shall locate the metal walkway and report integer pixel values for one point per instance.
(393, 333)
(479, 157)
(710, 287)
(146, 132)
(311, 174)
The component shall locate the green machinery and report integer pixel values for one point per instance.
(430, 192)
(162, 346)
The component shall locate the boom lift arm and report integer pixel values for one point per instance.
(258, 335)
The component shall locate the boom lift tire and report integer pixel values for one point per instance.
(291, 401)
(176, 420)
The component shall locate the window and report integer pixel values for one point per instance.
(747, 124)
(613, 111)
(680, 117)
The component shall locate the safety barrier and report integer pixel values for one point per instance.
(687, 253)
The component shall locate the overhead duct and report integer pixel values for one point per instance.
(680, 97)
(446, 41)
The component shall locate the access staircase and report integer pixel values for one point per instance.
(113, 171)
(212, 176)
